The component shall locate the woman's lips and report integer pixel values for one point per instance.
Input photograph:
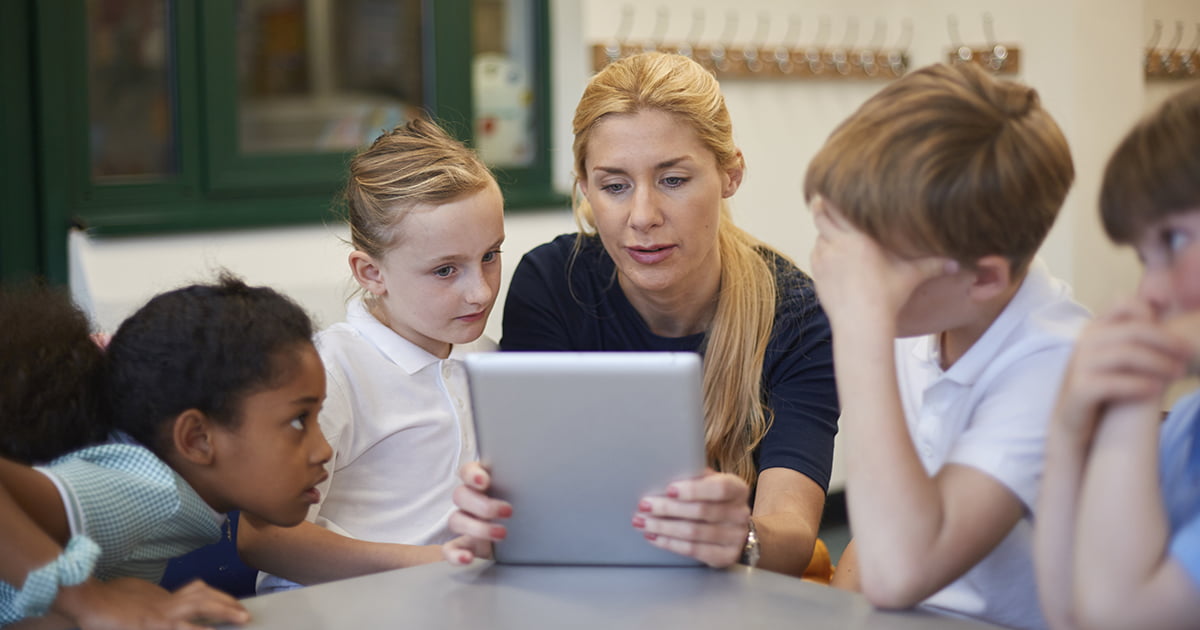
(650, 255)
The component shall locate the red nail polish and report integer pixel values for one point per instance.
(644, 506)
(639, 522)
(673, 492)
(498, 532)
(505, 511)
(650, 536)
(478, 480)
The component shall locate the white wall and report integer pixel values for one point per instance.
(1083, 56)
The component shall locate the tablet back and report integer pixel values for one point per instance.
(574, 439)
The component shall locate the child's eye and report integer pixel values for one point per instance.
(1175, 240)
(444, 272)
(297, 423)
(491, 256)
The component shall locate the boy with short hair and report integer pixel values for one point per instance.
(950, 339)
(1118, 533)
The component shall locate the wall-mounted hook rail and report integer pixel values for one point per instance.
(763, 57)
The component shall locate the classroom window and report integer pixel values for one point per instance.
(176, 115)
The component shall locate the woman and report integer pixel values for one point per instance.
(659, 265)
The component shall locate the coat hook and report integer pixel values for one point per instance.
(661, 17)
(813, 53)
(750, 52)
(720, 57)
(999, 53)
(839, 57)
(688, 49)
(614, 47)
(865, 59)
(1188, 59)
(897, 58)
(783, 52)
(962, 52)
(1166, 56)
(1154, 37)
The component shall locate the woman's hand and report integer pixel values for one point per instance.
(475, 519)
(706, 518)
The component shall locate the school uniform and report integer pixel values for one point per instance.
(399, 421)
(1179, 474)
(990, 411)
(138, 510)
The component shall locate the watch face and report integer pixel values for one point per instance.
(751, 552)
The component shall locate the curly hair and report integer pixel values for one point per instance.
(205, 347)
(51, 390)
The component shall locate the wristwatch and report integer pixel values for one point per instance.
(751, 551)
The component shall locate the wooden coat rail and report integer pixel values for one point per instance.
(774, 62)
(1172, 64)
(996, 58)
(1172, 61)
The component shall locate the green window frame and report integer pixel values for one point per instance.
(215, 186)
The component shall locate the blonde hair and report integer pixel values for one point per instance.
(948, 161)
(415, 164)
(1155, 171)
(735, 416)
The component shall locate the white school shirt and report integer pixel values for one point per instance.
(990, 411)
(399, 421)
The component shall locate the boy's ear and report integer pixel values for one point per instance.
(192, 437)
(993, 276)
(367, 273)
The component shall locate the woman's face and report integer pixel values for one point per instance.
(655, 190)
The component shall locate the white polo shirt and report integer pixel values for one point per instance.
(990, 411)
(399, 421)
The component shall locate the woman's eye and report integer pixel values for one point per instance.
(613, 188)
(444, 272)
(491, 256)
(674, 182)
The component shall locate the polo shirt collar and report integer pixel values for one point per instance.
(1037, 288)
(407, 355)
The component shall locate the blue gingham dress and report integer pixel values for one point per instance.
(136, 508)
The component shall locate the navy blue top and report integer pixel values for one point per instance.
(553, 304)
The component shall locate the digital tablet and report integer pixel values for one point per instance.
(573, 440)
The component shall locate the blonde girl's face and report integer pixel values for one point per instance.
(655, 190)
(1169, 249)
(437, 284)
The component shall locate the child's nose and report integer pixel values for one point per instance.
(322, 451)
(480, 291)
(1155, 289)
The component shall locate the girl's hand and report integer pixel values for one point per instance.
(706, 518)
(1125, 355)
(129, 603)
(474, 520)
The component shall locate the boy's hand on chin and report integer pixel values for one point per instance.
(856, 277)
(1187, 328)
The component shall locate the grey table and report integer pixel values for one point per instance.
(485, 595)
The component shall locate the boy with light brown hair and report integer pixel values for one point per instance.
(1118, 533)
(950, 338)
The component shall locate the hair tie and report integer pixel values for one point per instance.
(73, 566)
